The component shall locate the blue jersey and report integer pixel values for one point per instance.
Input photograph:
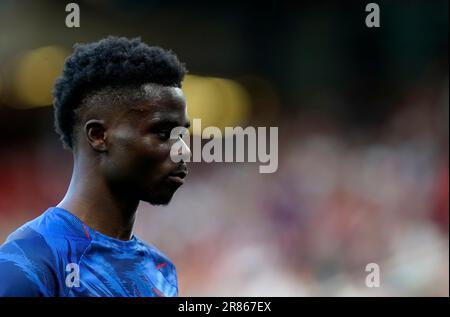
(56, 254)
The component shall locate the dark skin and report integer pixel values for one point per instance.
(122, 156)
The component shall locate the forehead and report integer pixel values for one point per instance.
(160, 102)
(163, 96)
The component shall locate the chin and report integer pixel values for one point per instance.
(161, 194)
(161, 199)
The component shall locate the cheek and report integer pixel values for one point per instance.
(150, 159)
(136, 156)
(129, 144)
(152, 148)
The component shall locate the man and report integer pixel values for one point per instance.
(115, 104)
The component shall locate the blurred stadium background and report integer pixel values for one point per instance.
(363, 156)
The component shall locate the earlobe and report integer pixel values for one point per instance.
(95, 132)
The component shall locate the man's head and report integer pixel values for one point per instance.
(115, 106)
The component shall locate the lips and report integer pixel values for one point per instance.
(178, 176)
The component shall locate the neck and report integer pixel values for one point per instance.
(90, 199)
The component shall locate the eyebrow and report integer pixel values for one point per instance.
(157, 121)
(171, 123)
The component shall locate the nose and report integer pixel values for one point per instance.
(184, 150)
(180, 151)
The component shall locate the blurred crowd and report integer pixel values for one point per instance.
(339, 201)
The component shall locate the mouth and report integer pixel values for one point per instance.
(178, 177)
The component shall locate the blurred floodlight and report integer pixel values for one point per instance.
(35, 75)
(218, 102)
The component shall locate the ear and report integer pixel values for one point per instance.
(96, 135)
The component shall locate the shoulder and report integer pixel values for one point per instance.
(34, 257)
(163, 263)
(26, 261)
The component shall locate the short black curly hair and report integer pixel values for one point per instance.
(110, 62)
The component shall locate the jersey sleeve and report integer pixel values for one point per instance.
(22, 274)
(17, 282)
